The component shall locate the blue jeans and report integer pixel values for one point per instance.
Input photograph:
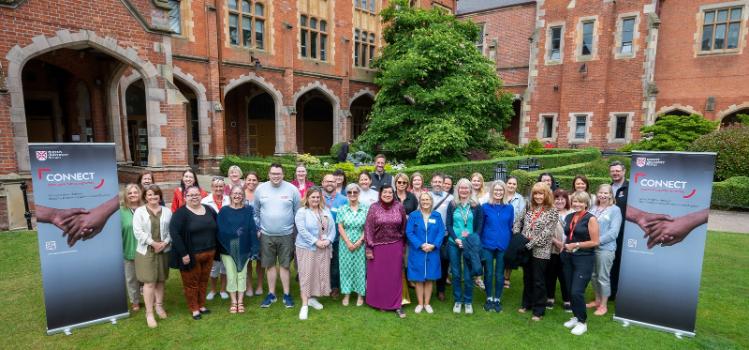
(463, 293)
(494, 276)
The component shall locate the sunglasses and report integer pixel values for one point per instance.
(402, 182)
(352, 192)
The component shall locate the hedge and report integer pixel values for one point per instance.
(456, 170)
(732, 193)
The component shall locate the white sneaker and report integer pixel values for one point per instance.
(303, 311)
(469, 309)
(224, 295)
(456, 308)
(210, 295)
(571, 323)
(579, 329)
(428, 309)
(314, 303)
(480, 283)
(418, 309)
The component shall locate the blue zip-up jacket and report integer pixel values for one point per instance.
(497, 230)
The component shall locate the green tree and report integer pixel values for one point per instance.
(438, 97)
(674, 132)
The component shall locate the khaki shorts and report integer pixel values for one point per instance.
(274, 248)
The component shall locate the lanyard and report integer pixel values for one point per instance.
(464, 212)
(329, 203)
(573, 223)
(535, 217)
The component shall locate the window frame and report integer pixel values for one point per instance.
(317, 48)
(624, 32)
(560, 50)
(592, 24)
(541, 133)
(572, 127)
(365, 46)
(715, 9)
(613, 125)
(481, 43)
(176, 8)
(241, 15)
(368, 6)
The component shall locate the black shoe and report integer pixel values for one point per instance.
(497, 307)
(196, 317)
(205, 312)
(550, 304)
(567, 307)
(489, 305)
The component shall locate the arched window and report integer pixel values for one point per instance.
(247, 23)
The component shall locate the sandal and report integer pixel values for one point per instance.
(240, 308)
(507, 283)
(601, 310)
(135, 307)
(233, 308)
(591, 305)
(160, 311)
(400, 313)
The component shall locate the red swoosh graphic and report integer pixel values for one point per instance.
(42, 170)
(694, 190)
(638, 175)
(99, 185)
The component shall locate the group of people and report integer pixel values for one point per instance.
(374, 239)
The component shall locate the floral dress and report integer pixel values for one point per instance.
(352, 265)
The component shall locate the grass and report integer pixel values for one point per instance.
(723, 317)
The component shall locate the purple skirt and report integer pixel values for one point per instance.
(385, 277)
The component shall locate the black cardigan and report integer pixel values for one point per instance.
(478, 219)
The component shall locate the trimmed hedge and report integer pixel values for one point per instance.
(732, 193)
(561, 175)
(457, 170)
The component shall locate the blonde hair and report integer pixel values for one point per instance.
(542, 187)
(234, 168)
(498, 183)
(309, 193)
(456, 197)
(415, 175)
(431, 200)
(482, 191)
(123, 196)
(607, 188)
(582, 197)
(398, 176)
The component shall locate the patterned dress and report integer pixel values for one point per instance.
(352, 264)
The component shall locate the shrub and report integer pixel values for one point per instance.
(534, 147)
(504, 153)
(337, 147)
(732, 193)
(674, 132)
(307, 159)
(732, 145)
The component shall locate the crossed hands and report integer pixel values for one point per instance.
(664, 230)
(354, 246)
(426, 247)
(322, 243)
(78, 223)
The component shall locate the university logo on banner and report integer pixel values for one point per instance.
(41, 155)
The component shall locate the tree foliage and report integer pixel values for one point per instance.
(438, 97)
(732, 145)
(673, 132)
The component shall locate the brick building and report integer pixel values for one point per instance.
(598, 70)
(181, 83)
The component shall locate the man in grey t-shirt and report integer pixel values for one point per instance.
(276, 203)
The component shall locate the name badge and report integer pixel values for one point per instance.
(335, 210)
(432, 221)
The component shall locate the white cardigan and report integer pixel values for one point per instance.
(142, 228)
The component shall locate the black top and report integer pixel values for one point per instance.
(478, 220)
(193, 233)
(581, 233)
(379, 180)
(410, 204)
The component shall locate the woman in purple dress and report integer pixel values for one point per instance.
(384, 234)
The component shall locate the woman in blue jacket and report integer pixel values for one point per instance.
(464, 222)
(495, 237)
(425, 231)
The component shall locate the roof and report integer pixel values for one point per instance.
(468, 6)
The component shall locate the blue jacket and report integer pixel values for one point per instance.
(498, 220)
(424, 266)
(609, 223)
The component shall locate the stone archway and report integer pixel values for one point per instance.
(18, 56)
(282, 145)
(361, 107)
(729, 115)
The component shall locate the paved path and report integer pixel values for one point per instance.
(728, 221)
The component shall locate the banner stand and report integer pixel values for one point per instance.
(68, 330)
(677, 332)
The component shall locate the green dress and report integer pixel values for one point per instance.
(352, 265)
(153, 267)
(128, 237)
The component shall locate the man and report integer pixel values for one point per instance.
(333, 201)
(619, 186)
(276, 203)
(379, 176)
(440, 201)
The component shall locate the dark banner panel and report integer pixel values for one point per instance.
(664, 239)
(80, 244)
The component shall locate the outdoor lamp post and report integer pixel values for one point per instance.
(500, 172)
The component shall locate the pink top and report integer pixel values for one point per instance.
(302, 191)
(384, 226)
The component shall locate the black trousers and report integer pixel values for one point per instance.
(617, 264)
(534, 286)
(335, 271)
(445, 266)
(554, 273)
(578, 269)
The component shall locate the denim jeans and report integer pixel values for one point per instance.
(578, 269)
(463, 293)
(494, 276)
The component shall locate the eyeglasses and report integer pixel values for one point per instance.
(218, 178)
(402, 182)
(352, 192)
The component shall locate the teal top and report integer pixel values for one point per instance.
(462, 220)
(128, 237)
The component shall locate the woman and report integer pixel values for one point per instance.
(609, 218)
(417, 185)
(151, 227)
(189, 179)
(548, 179)
(409, 201)
(351, 260)
(340, 181)
(495, 238)
(578, 257)
(464, 224)
(146, 179)
(250, 184)
(217, 200)
(581, 184)
(193, 229)
(129, 202)
(368, 196)
(237, 237)
(478, 193)
(554, 269)
(300, 181)
(425, 231)
(512, 197)
(235, 179)
(384, 233)
(539, 223)
(447, 184)
(316, 232)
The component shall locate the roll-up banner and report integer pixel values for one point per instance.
(80, 243)
(664, 240)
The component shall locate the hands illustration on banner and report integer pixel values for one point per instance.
(663, 229)
(78, 223)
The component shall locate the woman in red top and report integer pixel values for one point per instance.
(301, 182)
(189, 179)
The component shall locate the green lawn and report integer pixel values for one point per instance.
(721, 324)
